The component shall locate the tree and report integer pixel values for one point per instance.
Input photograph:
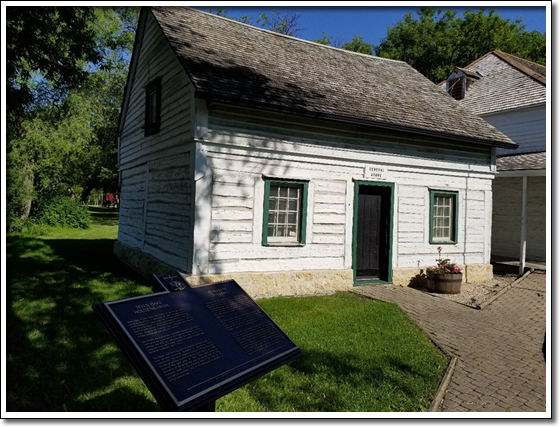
(65, 138)
(55, 41)
(52, 43)
(356, 45)
(359, 45)
(279, 22)
(435, 42)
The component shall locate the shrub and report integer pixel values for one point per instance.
(60, 211)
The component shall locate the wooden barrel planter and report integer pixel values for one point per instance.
(444, 283)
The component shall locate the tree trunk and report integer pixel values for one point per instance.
(27, 191)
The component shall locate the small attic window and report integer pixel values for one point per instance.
(456, 85)
(153, 107)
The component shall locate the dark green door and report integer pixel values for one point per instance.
(373, 233)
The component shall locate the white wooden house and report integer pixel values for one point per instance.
(510, 94)
(293, 167)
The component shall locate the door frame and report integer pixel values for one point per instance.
(357, 185)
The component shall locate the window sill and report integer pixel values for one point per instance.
(285, 244)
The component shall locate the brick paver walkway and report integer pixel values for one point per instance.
(500, 363)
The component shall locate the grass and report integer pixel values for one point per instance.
(357, 354)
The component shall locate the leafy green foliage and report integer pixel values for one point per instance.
(435, 42)
(325, 39)
(60, 211)
(359, 45)
(56, 41)
(65, 141)
(279, 22)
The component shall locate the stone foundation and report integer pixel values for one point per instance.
(287, 283)
(258, 285)
(416, 276)
(143, 263)
(279, 283)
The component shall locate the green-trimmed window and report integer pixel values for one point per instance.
(444, 207)
(153, 107)
(285, 212)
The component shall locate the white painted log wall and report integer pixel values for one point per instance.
(156, 173)
(241, 153)
(156, 59)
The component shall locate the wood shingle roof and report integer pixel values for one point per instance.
(528, 161)
(508, 82)
(231, 62)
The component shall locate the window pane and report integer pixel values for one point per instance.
(442, 220)
(153, 107)
(293, 205)
(284, 207)
(292, 218)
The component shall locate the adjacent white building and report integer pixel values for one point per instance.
(510, 94)
(292, 167)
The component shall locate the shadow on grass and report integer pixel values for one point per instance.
(104, 216)
(59, 355)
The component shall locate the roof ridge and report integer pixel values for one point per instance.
(520, 66)
(497, 51)
(231, 20)
(513, 61)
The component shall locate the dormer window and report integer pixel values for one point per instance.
(153, 107)
(459, 82)
(456, 84)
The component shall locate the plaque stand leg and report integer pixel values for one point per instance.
(209, 407)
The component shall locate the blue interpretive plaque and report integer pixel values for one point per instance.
(192, 345)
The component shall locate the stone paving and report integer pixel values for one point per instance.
(501, 366)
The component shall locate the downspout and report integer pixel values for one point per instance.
(523, 245)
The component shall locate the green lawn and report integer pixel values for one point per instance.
(357, 354)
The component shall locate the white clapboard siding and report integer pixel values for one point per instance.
(536, 218)
(156, 59)
(525, 127)
(506, 219)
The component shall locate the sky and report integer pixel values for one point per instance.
(342, 23)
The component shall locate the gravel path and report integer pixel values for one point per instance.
(475, 294)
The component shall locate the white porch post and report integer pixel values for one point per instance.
(523, 245)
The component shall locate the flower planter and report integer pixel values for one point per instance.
(444, 283)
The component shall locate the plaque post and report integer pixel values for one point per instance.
(209, 407)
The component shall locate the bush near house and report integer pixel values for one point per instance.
(60, 211)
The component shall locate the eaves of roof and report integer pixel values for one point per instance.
(211, 97)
